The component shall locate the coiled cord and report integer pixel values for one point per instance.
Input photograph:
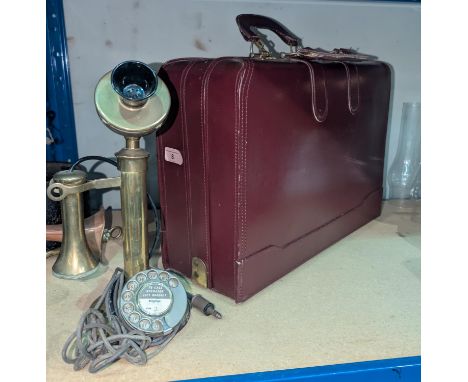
(102, 337)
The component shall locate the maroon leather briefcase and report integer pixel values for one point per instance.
(266, 161)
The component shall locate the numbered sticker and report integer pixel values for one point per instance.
(173, 155)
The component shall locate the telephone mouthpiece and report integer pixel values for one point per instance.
(134, 82)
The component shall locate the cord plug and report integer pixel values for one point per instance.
(205, 306)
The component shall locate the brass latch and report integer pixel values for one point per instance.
(199, 273)
(263, 53)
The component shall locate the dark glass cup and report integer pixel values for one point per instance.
(134, 82)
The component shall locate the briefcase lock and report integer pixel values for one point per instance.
(199, 274)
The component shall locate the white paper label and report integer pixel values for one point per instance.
(154, 299)
(173, 155)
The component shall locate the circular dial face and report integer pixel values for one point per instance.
(153, 301)
(154, 298)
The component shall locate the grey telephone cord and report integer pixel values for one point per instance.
(102, 338)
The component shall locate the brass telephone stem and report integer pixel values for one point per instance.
(133, 162)
(132, 142)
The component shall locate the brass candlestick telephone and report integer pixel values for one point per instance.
(131, 101)
(140, 307)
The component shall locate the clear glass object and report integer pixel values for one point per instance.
(416, 189)
(405, 172)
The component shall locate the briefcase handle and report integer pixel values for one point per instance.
(246, 21)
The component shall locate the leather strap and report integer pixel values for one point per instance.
(340, 54)
(247, 21)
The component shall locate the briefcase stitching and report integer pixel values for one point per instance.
(237, 102)
(206, 156)
(352, 109)
(162, 170)
(239, 167)
(187, 175)
(243, 179)
(163, 197)
(319, 115)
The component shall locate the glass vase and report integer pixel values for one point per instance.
(404, 175)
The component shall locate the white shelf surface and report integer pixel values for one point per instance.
(358, 300)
